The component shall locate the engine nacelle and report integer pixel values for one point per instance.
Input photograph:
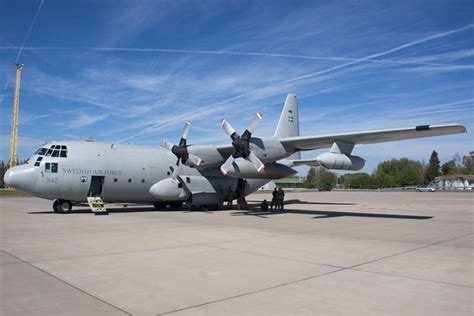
(169, 190)
(242, 168)
(341, 161)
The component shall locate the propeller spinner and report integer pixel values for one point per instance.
(241, 145)
(181, 151)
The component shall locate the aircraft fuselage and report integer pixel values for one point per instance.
(118, 173)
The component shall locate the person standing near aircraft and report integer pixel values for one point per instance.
(274, 203)
(220, 197)
(280, 199)
(264, 206)
(230, 197)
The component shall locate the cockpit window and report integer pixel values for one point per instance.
(38, 161)
(53, 151)
(41, 151)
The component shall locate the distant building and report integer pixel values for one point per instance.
(269, 186)
(454, 182)
(292, 182)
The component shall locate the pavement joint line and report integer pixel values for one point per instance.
(340, 267)
(306, 279)
(407, 251)
(190, 244)
(372, 239)
(251, 292)
(112, 253)
(69, 284)
(414, 278)
(282, 258)
(237, 240)
(441, 242)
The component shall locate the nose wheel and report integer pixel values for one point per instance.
(62, 206)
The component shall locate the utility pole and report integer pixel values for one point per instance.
(16, 104)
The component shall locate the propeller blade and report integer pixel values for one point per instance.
(174, 175)
(186, 130)
(167, 144)
(227, 165)
(228, 128)
(256, 162)
(253, 125)
(184, 137)
(195, 160)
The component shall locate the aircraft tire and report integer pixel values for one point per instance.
(63, 207)
(212, 207)
(175, 205)
(55, 205)
(195, 207)
(159, 205)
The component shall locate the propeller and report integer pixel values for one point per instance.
(181, 151)
(241, 144)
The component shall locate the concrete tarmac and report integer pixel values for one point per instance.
(328, 253)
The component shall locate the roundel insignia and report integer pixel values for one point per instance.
(83, 179)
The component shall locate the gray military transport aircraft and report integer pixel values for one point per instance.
(204, 176)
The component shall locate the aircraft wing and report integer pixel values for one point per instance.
(371, 137)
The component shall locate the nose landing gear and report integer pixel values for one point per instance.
(62, 206)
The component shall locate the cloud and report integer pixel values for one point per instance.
(23, 141)
(85, 120)
(386, 52)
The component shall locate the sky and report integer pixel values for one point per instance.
(134, 71)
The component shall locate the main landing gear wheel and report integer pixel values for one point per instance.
(196, 208)
(212, 207)
(175, 205)
(159, 205)
(62, 206)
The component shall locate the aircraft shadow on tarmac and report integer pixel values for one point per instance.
(298, 201)
(127, 209)
(254, 210)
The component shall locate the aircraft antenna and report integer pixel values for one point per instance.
(16, 105)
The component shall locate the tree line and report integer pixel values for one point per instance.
(393, 173)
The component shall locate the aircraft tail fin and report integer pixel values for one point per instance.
(289, 124)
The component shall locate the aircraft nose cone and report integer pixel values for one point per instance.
(21, 177)
(7, 178)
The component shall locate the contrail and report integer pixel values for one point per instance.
(20, 49)
(419, 41)
(230, 53)
(29, 31)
